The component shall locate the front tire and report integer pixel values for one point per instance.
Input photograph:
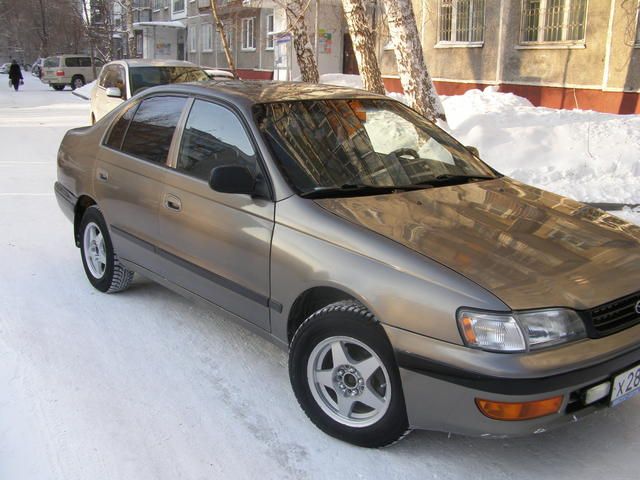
(343, 373)
(58, 88)
(101, 264)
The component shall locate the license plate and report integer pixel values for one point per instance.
(625, 386)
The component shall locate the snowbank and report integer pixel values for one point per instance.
(589, 156)
(85, 91)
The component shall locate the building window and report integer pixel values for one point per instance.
(229, 36)
(553, 21)
(248, 41)
(178, 6)
(270, 32)
(461, 21)
(157, 4)
(207, 38)
(193, 39)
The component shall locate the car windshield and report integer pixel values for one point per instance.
(144, 77)
(52, 62)
(324, 145)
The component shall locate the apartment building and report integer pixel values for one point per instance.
(557, 53)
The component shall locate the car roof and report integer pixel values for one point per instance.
(249, 92)
(139, 62)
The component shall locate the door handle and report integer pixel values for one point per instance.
(172, 203)
(102, 175)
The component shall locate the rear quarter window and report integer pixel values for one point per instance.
(116, 135)
(52, 62)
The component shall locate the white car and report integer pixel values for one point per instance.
(121, 79)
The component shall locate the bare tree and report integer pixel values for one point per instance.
(127, 10)
(223, 38)
(363, 45)
(414, 76)
(297, 25)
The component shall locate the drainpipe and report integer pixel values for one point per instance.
(607, 55)
(315, 42)
(500, 59)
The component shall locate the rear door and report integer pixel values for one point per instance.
(217, 245)
(130, 173)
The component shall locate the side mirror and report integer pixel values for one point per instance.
(232, 179)
(114, 92)
(473, 150)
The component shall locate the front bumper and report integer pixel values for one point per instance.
(441, 381)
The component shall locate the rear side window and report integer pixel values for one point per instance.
(151, 130)
(213, 136)
(120, 128)
(77, 62)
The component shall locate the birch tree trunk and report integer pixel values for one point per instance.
(414, 76)
(223, 38)
(363, 45)
(295, 10)
(132, 48)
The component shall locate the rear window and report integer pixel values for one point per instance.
(144, 77)
(52, 62)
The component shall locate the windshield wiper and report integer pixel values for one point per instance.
(452, 179)
(353, 189)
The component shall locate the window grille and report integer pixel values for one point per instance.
(553, 21)
(461, 21)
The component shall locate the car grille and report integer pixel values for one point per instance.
(616, 315)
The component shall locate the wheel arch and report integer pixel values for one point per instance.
(312, 300)
(84, 202)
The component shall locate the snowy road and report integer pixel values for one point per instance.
(145, 385)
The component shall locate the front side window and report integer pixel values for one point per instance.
(213, 136)
(553, 21)
(248, 40)
(113, 76)
(151, 129)
(324, 144)
(461, 21)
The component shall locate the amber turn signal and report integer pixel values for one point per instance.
(519, 410)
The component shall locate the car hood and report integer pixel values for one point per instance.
(528, 247)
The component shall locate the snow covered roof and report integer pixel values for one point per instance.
(171, 24)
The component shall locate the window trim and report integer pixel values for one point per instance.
(192, 33)
(245, 21)
(524, 44)
(458, 43)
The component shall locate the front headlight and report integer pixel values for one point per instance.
(519, 331)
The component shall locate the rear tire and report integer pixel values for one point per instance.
(77, 82)
(101, 264)
(344, 375)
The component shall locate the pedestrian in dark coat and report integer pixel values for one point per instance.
(15, 74)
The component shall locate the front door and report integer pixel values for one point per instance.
(214, 244)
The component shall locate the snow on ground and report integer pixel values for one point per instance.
(147, 385)
(85, 91)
